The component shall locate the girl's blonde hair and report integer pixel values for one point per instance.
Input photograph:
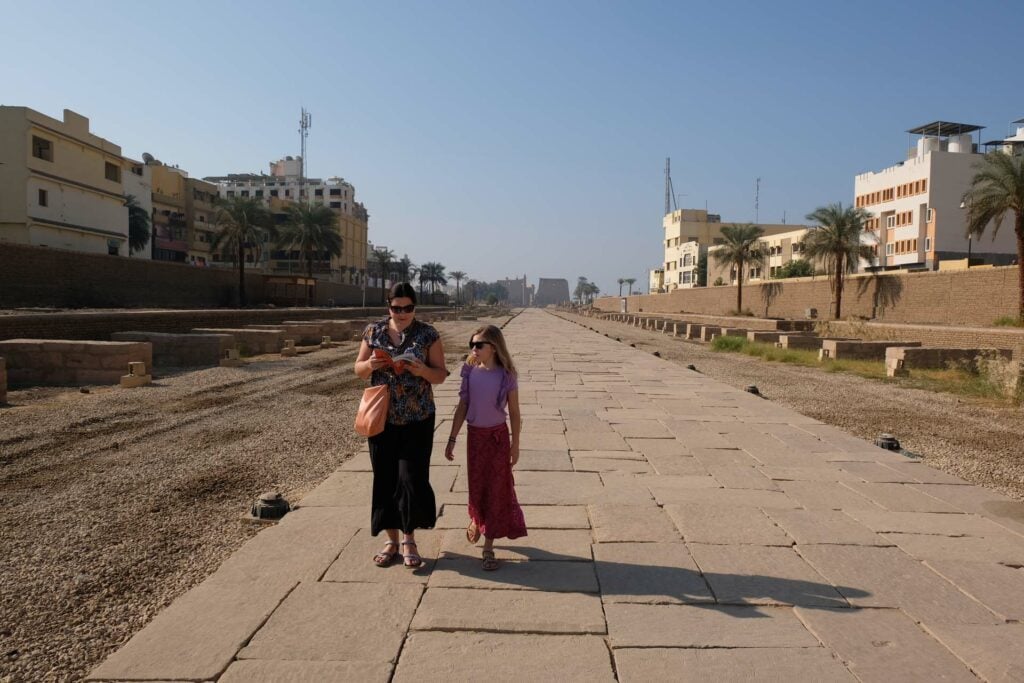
(501, 355)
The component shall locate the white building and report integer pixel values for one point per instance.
(916, 219)
(138, 183)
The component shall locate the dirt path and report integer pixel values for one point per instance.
(115, 502)
(979, 442)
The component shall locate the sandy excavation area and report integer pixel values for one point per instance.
(115, 502)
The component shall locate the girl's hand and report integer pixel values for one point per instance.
(514, 455)
(449, 451)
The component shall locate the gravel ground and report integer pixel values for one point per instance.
(114, 503)
(977, 441)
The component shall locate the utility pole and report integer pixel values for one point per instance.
(670, 197)
(757, 201)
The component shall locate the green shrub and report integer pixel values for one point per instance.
(728, 343)
(1008, 321)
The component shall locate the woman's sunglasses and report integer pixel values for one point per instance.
(403, 309)
(478, 344)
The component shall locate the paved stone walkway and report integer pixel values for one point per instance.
(679, 529)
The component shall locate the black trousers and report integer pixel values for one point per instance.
(402, 497)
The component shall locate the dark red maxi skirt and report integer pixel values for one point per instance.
(492, 494)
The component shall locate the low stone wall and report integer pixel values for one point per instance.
(3, 381)
(939, 336)
(250, 342)
(837, 349)
(182, 350)
(301, 333)
(900, 360)
(69, 362)
(337, 330)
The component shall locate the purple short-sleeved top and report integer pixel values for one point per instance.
(486, 393)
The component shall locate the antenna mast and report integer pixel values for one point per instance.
(670, 195)
(304, 125)
(757, 201)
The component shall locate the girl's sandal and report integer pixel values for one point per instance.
(411, 559)
(385, 558)
(490, 562)
(472, 533)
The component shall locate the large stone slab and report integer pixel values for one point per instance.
(759, 575)
(559, 577)
(596, 441)
(883, 645)
(825, 527)
(341, 489)
(659, 447)
(541, 544)
(642, 429)
(993, 652)
(824, 495)
(656, 573)
(356, 561)
(725, 524)
(674, 494)
(739, 477)
(964, 548)
(730, 664)
(823, 473)
(998, 587)
(544, 461)
(888, 577)
(900, 497)
(257, 671)
(631, 466)
(460, 656)
(199, 634)
(703, 626)
(460, 609)
(625, 523)
(307, 625)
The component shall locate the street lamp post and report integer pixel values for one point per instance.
(970, 235)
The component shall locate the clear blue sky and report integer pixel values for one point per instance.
(503, 138)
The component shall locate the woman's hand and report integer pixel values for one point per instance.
(514, 454)
(449, 451)
(378, 363)
(415, 368)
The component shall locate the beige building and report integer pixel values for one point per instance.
(284, 186)
(60, 185)
(688, 231)
(780, 249)
(138, 183)
(916, 219)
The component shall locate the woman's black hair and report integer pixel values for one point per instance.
(401, 290)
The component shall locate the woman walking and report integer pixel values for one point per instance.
(489, 387)
(400, 455)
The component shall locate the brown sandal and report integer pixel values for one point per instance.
(385, 558)
(472, 533)
(490, 562)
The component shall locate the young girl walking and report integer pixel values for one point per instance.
(489, 386)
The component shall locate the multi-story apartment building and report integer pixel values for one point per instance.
(683, 227)
(286, 185)
(915, 206)
(170, 222)
(60, 185)
(780, 249)
(138, 184)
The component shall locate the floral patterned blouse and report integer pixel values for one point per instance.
(412, 397)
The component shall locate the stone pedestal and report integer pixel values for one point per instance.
(231, 359)
(136, 376)
(288, 349)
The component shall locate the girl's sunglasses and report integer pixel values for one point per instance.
(403, 309)
(479, 344)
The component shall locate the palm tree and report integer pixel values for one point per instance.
(591, 291)
(582, 286)
(741, 246)
(382, 258)
(471, 290)
(241, 222)
(458, 276)
(403, 268)
(621, 282)
(836, 243)
(630, 281)
(313, 230)
(996, 190)
(434, 274)
(138, 225)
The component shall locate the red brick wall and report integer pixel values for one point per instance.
(975, 297)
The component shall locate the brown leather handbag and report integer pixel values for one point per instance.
(373, 410)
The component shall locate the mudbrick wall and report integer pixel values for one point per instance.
(975, 297)
(39, 276)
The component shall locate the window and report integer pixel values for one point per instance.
(931, 215)
(259, 193)
(686, 276)
(43, 198)
(335, 191)
(231, 193)
(889, 249)
(245, 193)
(287, 193)
(112, 172)
(273, 193)
(890, 221)
(688, 260)
(42, 148)
(112, 248)
(927, 246)
(318, 192)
